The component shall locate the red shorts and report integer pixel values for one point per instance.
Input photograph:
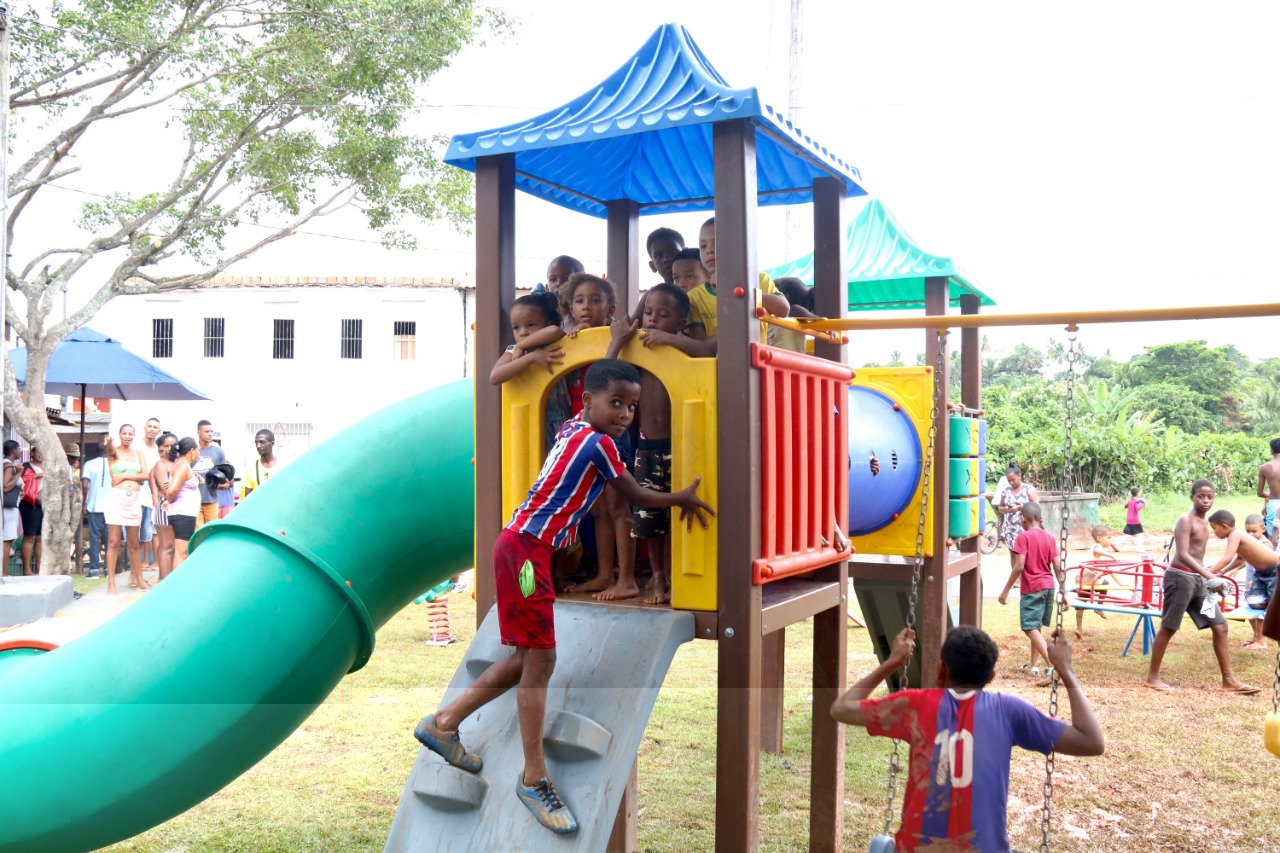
(524, 622)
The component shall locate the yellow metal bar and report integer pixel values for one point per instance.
(803, 326)
(1055, 318)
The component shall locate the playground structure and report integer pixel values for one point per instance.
(736, 419)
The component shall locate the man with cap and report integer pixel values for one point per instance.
(95, 482)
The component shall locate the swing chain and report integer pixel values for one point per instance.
(1275, 687)
(917, 568)
(1061, 604)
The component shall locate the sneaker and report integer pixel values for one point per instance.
(446, 744)
(546, 805)
(1033, 671)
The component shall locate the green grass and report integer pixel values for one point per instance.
(1184, 771)
(1163, 509)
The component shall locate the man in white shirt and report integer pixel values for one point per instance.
(95, 479)
(151, 453)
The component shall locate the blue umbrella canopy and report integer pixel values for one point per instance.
(95, 365)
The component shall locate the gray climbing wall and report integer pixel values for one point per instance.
(610, 663)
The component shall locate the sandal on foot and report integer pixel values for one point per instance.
(446, 744)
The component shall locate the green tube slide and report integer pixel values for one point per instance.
(200, 679)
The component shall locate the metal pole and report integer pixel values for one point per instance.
(1061, 318)
(84, 510)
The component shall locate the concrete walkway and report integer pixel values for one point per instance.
(81, 616)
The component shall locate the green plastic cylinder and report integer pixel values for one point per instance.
(201, 678)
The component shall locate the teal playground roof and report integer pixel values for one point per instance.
(644, 134)
(886, 269)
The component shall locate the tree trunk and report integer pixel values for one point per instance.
(32, 422)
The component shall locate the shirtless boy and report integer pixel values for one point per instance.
(1186, 590)
(666, 311)
(1252, 549)
(1269, 491)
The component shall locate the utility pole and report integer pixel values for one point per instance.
(792, 242)
(4, 198)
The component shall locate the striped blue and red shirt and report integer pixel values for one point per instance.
(958, 778)
(573, 476)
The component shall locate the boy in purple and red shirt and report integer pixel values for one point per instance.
(961, 737)
(583, 459)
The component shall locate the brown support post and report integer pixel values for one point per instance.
(624, 838)
(971, 396)
(931, 628)
(738, 466)
(830, 634)
(495, 291)
(623, 256)
(622, 261)
(773, 671)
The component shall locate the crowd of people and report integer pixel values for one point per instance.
(148, 495)
(1189, 586)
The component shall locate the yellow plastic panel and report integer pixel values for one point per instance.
(691, 384)
(912, 389)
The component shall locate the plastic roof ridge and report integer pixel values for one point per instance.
(570, 123)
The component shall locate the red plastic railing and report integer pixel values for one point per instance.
(804, 489)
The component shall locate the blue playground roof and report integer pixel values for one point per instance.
(885, 268)
(644, 134)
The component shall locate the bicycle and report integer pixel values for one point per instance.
(991, 540)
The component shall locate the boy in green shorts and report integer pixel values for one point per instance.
(1035, 564)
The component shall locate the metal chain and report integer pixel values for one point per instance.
(1275, 687)
(1067, 477)
(926, 481)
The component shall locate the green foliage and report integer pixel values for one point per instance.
(274, 113)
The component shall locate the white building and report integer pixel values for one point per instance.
(304, 357)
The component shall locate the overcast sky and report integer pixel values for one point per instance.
(1093, 155)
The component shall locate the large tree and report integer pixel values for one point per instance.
(257, 111)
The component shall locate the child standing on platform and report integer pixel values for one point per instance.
(584, 458)
(592, 304)
(960, 737)
(1035, 565)
(666, 310)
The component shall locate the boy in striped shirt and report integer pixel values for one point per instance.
(960, 737)
(583, 459)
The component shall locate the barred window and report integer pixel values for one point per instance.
(282, 345)
(353, 338)
(404, 340)
(162, 338)
(214, 340)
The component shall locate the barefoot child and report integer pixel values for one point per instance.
(1254, 550)
(592, 304)
(961, 736)
(666, 310)
(584, 457)
(1102, 550)
(1186, 593)
(1035, 565)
